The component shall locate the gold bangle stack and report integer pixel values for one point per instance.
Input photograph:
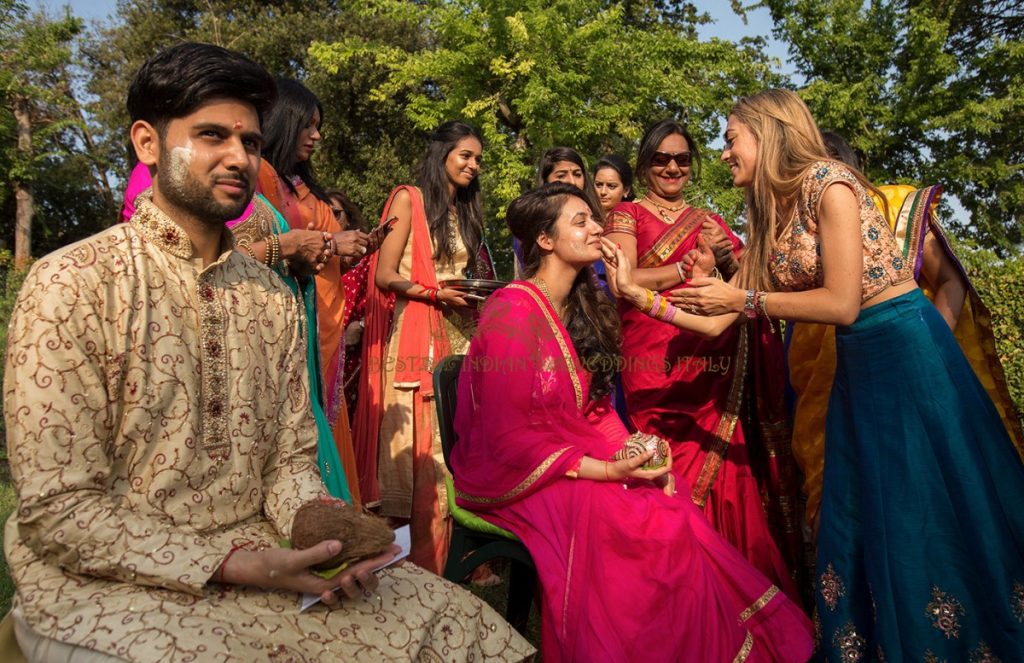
(273, 250)
(650, 299)
(244, 245)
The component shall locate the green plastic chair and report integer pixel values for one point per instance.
(474, 540)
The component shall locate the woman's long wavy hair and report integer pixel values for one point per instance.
(788, 144)
(590, 317)
(283, 125)
(433, 183)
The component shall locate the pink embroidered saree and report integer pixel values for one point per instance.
(622, 571)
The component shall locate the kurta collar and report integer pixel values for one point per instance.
(157, 227)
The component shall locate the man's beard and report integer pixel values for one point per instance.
(186, 192)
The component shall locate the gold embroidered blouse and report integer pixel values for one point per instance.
(796, 262)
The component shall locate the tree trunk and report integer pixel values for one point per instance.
(23, 187)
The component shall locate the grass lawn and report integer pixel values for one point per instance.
(7, 503)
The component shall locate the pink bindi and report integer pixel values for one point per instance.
(238, 125)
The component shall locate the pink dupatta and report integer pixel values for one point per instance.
(618, 568)
(516, 365)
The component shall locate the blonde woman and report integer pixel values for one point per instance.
(921, 544)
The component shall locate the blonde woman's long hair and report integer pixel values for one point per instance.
(788, 144)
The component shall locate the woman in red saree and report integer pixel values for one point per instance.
(619, 569)
(690, 390)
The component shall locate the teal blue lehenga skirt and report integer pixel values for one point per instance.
(921, 546)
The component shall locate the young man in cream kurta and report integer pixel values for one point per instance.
(160, 431)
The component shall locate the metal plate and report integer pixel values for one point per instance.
(479, 286)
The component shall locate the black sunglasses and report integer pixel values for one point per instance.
(662, 159)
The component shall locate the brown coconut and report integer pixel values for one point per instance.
(361, 534)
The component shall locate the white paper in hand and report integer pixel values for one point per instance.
(404, 541)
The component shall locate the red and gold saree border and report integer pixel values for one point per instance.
(726, 428)
(537, 473)
(662, 249)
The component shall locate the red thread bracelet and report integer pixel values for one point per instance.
(224, 563)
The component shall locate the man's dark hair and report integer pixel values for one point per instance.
(178, 80)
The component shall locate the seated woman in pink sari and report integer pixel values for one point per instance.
(623, 561)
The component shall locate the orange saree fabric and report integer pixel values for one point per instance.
(303, 210)
(422, 340)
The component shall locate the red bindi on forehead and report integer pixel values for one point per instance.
(238, 125)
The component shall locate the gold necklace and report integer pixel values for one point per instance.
(665, 210)
(539, 282)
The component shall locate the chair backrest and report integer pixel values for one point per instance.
(446, 386)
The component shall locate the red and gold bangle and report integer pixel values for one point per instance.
(428, 291)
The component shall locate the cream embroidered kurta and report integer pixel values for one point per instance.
(158, 414)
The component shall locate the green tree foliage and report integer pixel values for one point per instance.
(999, 282)
(367, 143)
(927, 91)
(43, 133)
(535, 74)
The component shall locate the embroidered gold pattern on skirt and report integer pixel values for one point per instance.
(831, 587)
(759, 603)
(983, 654)
(744, 652)
(849, 643)
(944, 610)
(1017, 601)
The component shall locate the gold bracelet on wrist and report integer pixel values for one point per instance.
(273, 250)
(717, 273)
(244, 245)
